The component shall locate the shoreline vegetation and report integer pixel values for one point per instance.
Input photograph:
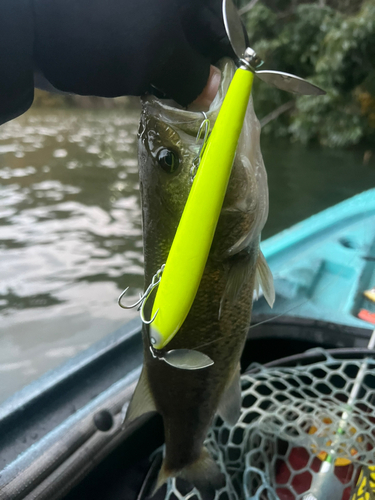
(329, 42)
(43, 99)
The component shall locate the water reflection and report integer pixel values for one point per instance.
(70, 235)
(303, 181)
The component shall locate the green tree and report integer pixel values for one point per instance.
(332, 44)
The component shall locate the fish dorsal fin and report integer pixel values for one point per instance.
(142, 401)
(230, 403)
(264, 279)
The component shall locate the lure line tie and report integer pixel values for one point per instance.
(206, 126)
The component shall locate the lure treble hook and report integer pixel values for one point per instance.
(136, 304)
(186, 359)
(143, 299)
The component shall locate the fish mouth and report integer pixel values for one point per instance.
(189, 121)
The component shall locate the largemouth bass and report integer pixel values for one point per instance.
(218, 321)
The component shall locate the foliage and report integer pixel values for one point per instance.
(330, 45)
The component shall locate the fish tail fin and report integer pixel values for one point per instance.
(204, 473)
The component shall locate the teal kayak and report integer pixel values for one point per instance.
(322, 265)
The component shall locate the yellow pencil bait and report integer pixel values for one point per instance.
(191, 245)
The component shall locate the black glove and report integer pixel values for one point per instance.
(16, 58)
(113, 47)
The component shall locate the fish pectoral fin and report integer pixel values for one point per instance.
(230, 404)
(264, 279)
(240, 270)
(204, 474)
(142, 401)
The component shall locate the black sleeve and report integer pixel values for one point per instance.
(16, 51)
(118, 47)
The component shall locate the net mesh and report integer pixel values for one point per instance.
(293, 419)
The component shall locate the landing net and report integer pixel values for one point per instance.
(293, 419)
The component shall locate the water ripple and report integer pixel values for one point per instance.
(70, 235)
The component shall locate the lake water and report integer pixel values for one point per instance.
(70, 226)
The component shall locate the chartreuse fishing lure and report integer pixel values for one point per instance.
(190, 248)
(178, 281)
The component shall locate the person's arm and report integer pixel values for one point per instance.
(113, 47)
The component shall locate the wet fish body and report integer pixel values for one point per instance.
(218, 321)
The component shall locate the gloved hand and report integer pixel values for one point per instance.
(110, 47)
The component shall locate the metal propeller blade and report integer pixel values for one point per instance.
(187, 359)
(283, 81)
(233, 27)
(288, 82)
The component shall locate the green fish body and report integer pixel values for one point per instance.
(218, 321)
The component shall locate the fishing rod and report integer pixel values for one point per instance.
(324, 485)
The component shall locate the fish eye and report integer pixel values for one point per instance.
(168, 160)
